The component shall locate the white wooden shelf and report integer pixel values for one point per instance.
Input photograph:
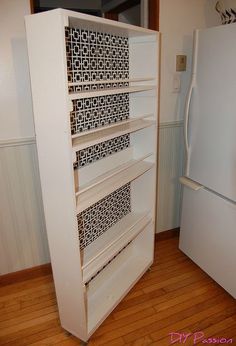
(81, 20)
(105, 133)
(109, 174)
(103, 249)
(97, 129)
(99, 191)
(110, 91)
(111, 81)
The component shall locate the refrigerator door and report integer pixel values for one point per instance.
(212, 113)
(208, 235)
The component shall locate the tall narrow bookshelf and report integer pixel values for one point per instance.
(94, 90)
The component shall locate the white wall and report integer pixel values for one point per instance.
(15, 98)
(23, 241)
(178, 19)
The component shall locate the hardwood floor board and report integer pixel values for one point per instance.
(217, 317)
(27, 332)
(166, 317)
(185, 321)
(26, 310)
(198, 336)
(28, 317)
(179, 278)
(123, 322)
(40, 337)
(176, 295)
(114, 342)
(167, 340)
(193, 297)
(164, 279)
(51, 340)
(159, 258)
(161, 304)
(181, 266)
(140, 299)
(234, 316)
(22, 286)
(159, 296)
(199, 277)
(219, 327)
(164, 250)
(21, 304)
(170, 263)
(174, 290)
(160, 277)
(170, 316)
(70, 341)
(169, 250)
(28, 324)
(12, 298)
(228, 333)
(164, 242)
(145, 341)
(132, 294)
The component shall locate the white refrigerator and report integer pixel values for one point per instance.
(208, 221)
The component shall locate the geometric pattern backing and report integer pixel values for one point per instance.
(93, 221)
(94, 112)
(101, 150)
(95, 57)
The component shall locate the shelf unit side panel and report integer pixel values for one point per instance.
(143, 54)
(144, 104)
(144, 142)
(144, 62)
(46, 50)
(143, 193)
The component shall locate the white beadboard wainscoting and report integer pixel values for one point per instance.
(23, 241)
(171, 153)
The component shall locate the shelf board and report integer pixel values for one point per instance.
(112, 172)
(111, 91)
(81, 20)
(105, 133)
(107, 81)
(112, 125)
(103, 249)
(96, 193)
(110, 293)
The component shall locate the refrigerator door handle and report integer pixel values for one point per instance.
(186, 120)
(190, 183)
(188, 99)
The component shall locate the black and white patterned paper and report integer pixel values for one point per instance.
(95, 56)
(95, 112)
(98, 218)
(101, 150)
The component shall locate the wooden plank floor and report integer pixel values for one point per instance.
(174, 296)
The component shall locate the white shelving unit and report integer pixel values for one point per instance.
(94, 89)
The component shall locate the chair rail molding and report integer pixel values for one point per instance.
(12, 142)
